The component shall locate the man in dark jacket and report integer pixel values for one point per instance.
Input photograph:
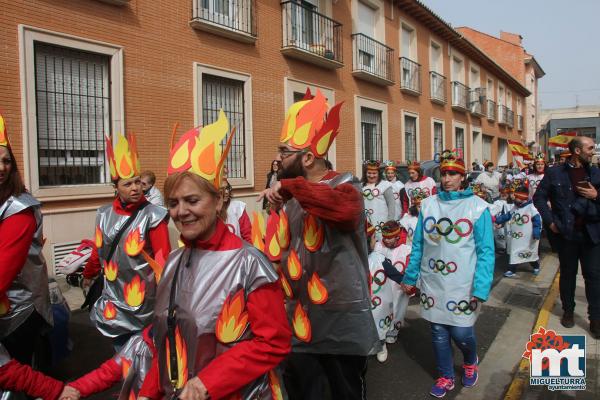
(574, 216)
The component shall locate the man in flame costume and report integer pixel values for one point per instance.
(418, 185)
(219, 321)
(324, 261)
(127, 301)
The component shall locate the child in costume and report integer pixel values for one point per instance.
(397, 253)
(500, 207)
(378, 197)
(382, 303)
(524, 225)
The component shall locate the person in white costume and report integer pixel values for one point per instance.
(491, 180)
(418, 186)
(151, 192)
(397, 186)
(500, 207)
(452, 262)
(524, 231)
(234, 214)
(378, 196)
(539, 167)
(409, 221)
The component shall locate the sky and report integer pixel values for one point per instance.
(564, 37)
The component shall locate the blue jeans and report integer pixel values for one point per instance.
(464, 338)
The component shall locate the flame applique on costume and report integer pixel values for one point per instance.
(293, 265)
(257, 236)
(98, 237)
(182, 367)
(272, 248)
(312, 233)
(233, 319)
(157, 263)
(4, 305)
(125, 365)
(283, 230)
(3, 134)
(110, 311)
(285, 285)
(111, 269)
(132, 395)
(301, 324)
(135, 291)
(275, 386)
(133, 243)
(317, 292)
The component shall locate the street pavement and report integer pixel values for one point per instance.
(502, 330)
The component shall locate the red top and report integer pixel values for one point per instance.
(159, 238)
(404, 196)
(16, 235)
(21, 378)
(245, 227)
(341, 206)
(249, 359)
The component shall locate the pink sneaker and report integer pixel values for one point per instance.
(441, 387)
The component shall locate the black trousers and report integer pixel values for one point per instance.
(570, 254)
(308, 376)
(28, 339)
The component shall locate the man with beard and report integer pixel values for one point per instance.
(325, 267)
(574, 216)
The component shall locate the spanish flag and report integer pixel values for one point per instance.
(561, 140)
(518, 149)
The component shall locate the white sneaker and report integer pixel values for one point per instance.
(382, 355)
(391, 339)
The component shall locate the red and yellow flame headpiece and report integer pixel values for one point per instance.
(123, 159)
(414, 165)
(451, 161)
(372, 165)
(521, 190)
(200, 152)
(310, 124)
(390, 166)
(370, 229)
(3, 133)
(390, 229)
(539, 157)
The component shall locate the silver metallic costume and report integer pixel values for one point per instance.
(127, 300)
(211, 292)
(329, 304)
(135, 359)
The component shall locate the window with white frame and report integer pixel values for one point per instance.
(519, 111)
(500, 94)
(366, 25)
(509, 100)
(458, 69)
(487, 147)
(231, 92)
(436, 63)
(438, 137)
(490, 89)
(474, 78)
(459, 139)
(371, 126)
(410, 137)
(409, 42)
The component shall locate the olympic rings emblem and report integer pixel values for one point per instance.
(396, 196)
(375, 302)
(520, 219)
(370, 194)
(525, 254)
(516, 235)
(369, 211)
(427, 301)
(418, 192)
(410, 232)
(501, 237)
(462, 227)
(442, 267)
(400, 266)
(379, 279)
(385, 322)
(462, 307)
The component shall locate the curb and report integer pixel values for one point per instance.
(517, 386)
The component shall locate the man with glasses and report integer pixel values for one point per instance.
(333, 328)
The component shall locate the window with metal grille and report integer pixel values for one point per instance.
(438, 138)
(459, 139)
(73, 115)
(410, 138)
(227, 94)
(372, 133)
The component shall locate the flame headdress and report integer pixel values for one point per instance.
(3, 133)
(310, 124)
(539, 157)
(390, 166)
(199, 151)
(521, 189)
(123, 159)
(451, 160)
(371, 165)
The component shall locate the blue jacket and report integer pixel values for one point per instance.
(484, 247)
(536, 221)
(565, 203)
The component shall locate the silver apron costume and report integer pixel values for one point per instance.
(211, 294)
(234, 213)
(135, 360)
(449, 259)
(500, 233)
(420, 189)
(522, 247)
(382, 304)
(534, 182)
(330, 307)
(29, 290)
(127, 301)
(396, 189)
(376, 207)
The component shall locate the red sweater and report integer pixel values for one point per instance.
(341, 206)
(159, 238)
(21, 378)
(247, 360)
(245, 227)
(16, 235)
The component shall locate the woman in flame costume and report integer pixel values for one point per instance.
(378, 196)
(324, 265)
(24, 300)
(539, 168)
(452, 262)
(127, 300)
(390, 171)
(418, 185)
(220, 327)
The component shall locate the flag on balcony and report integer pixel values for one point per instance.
(561, 140)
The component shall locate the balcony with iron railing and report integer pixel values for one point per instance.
(410, 76)
(460, 96)
(310, 36)
(235, 19)
(372, 60)
(437, 84)
(491, 110)
(520, 122)
(510, 118)
(502, 115)
(477, 102)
